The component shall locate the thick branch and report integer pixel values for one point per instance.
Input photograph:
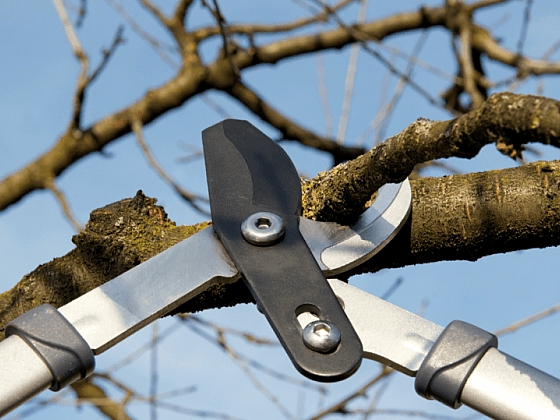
(74, 145)
(461, 217)
(507, 119)
(194, 78)
(466, 217)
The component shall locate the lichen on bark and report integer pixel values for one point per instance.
(116, 238)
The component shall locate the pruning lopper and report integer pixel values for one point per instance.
(325, 326)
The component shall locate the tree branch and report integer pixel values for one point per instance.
(87, 391)
(190, 198)
(253, 29)
(289, 129)
(460, 217)
(507, 119)
(82, 57)
(194, 78)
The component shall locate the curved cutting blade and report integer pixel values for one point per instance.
(249, 173)
(340, 248)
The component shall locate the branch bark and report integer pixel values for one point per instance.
(506, 119)
(194, 78)
(460, 217)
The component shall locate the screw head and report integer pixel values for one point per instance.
(263, 228)
(321, 336)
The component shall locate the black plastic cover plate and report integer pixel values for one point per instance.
(247, 173)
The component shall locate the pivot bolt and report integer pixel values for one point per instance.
(321, 336)
(263, 228)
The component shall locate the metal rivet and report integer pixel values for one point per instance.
(321, 336)
(263, 228)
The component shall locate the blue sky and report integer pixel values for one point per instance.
(37, 80)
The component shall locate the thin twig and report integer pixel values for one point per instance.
(251, 338)
(82, 12)
(84, 63)
(465, 59)
(363, 38)
(189, 197)
(158, 46)
(350, 79)
(156, 12)
(529, 320)
(107, 54)
(215, 106)
(154, 372)
(251, 30)
(220, 20)
(323, 94)
(388, 111)
(141, 350)
(69, 29)
(341, 406)
(221, 331)
(244, 366)
(382, 118)
(524, 27)
(61, 198)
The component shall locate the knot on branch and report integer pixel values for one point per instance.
(124, 234)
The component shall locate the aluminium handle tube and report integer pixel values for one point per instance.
(42, 350)
(464, 366)
(504, 388)
(23, 374)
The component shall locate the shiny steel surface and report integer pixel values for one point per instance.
(321, 336)
(389, 334)
(339, 248)
(262, 228)
(23, 374)
(118, 308)
(505, 388)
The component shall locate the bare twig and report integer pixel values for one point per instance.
(251, 30)
(82, 11)
(181, 10)
(249, 337)
(463, 20)
(158, 46)
(190, 198)
(350, 79)
(84, 63)
(154, 372)
(341, 407)
(89, 392)
(323, 94)
(107, 54)
(60, 197)
(363, 37)
(222, 332)
(224, 33)
(529, 320)
(244, 366)
(156, 12)
(289, 129)
(524, 26)
(381, 120)
(142, 349)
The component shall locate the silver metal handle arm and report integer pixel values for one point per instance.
(503, 387)
(455, 365)
(118, 308)
(23, 374)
